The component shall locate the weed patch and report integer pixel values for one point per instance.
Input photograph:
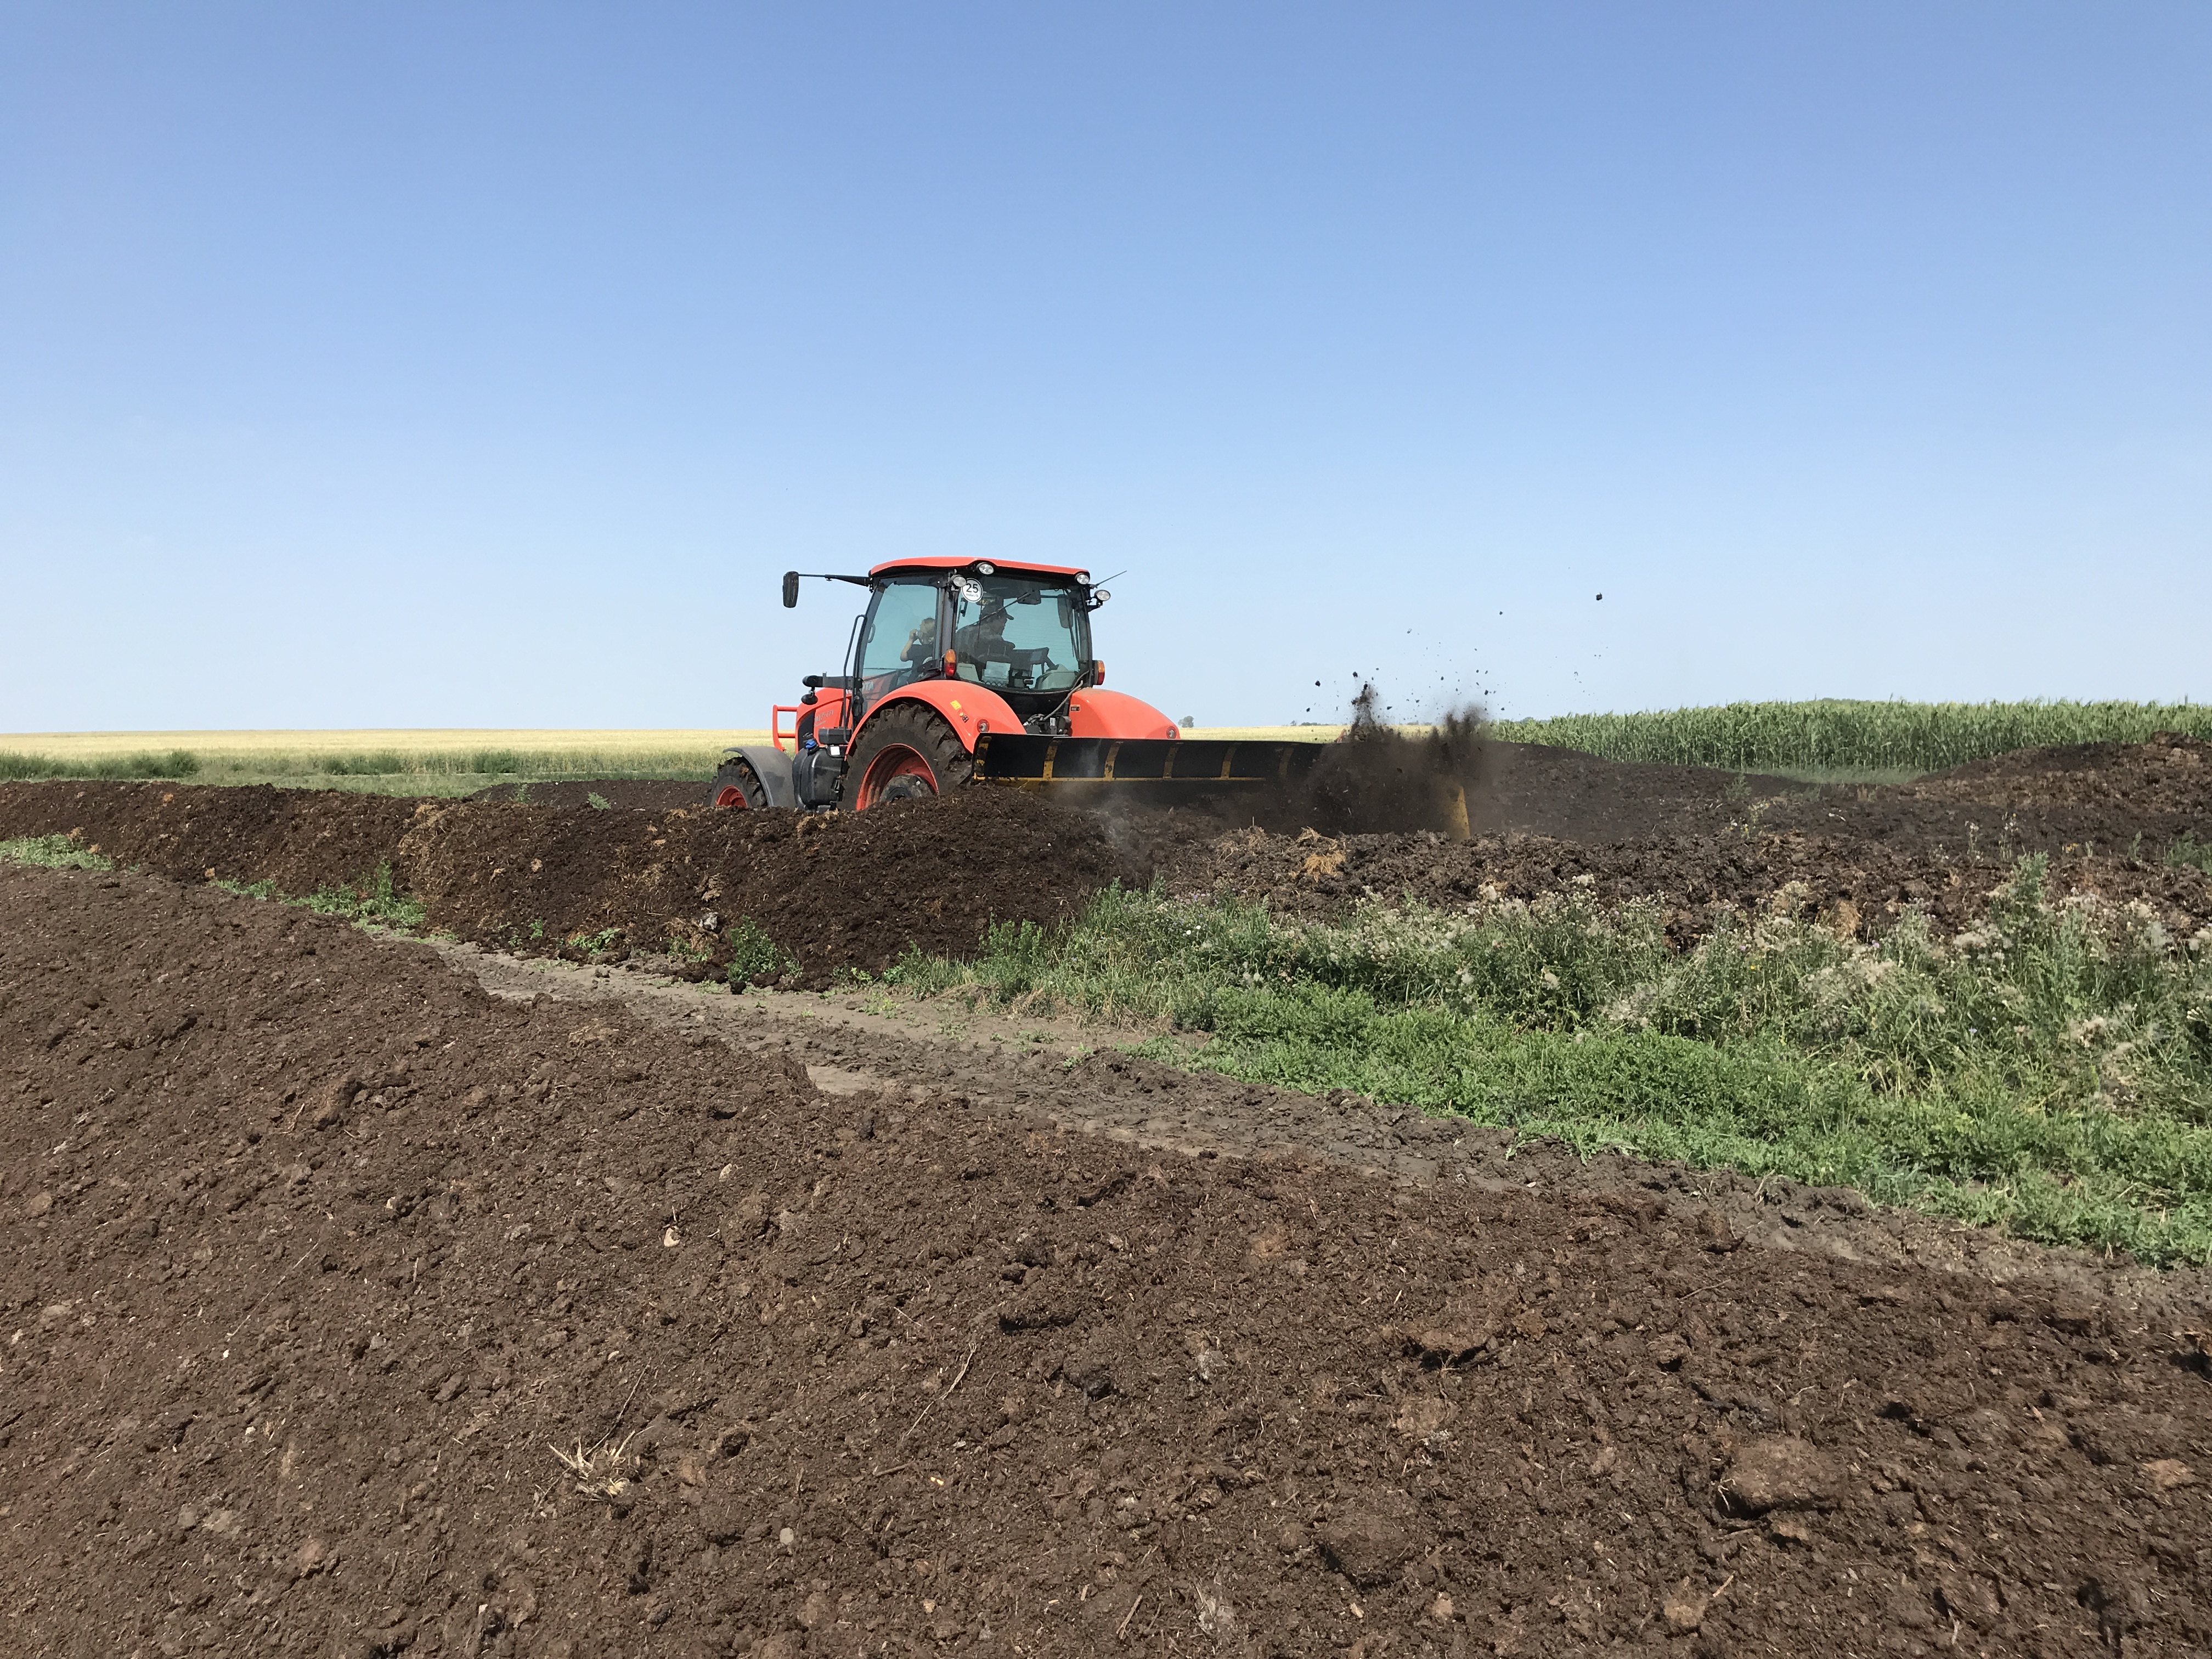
(2190, 853)
(372, 900)
(754, 958)
(53, 853)
(2048, 1070)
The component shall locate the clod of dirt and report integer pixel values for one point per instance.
(1781, 1471)
(1719, 1238)
(1089, 1368)
(2167, 1472)
(1373, 1538)
(1685, 1608)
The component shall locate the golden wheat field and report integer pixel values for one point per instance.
(432, 761)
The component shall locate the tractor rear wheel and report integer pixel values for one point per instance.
(736, 784)
(905, 753)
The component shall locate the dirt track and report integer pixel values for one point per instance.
(1079, 1076)
(322, 1247)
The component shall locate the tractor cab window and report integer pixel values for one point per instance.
(899, 643)
(1016, 634)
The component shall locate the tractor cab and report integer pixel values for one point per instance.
(1023, 632)
(961, 669)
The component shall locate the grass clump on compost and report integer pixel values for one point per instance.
(371, 899)
(53, 853)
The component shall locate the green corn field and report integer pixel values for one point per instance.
(1834, 735)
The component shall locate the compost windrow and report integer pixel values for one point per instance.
(693, 884)
(701, 888)
(317, 1254)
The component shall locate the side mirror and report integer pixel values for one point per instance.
(790, 589)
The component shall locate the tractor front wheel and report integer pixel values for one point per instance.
(906, 753)
(736, 784)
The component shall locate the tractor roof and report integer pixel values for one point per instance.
(955, 561)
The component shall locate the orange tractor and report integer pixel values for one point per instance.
(966, 671)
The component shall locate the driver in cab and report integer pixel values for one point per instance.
(920, 652)
(984, 640)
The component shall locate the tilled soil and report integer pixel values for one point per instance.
(317, 1251)
(2168, 776)
(833, 891)
(1076, 1074)
(2102, 796)
(1863, 887)
(653, 795)
(1552, 820)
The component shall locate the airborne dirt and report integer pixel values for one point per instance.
(318, 1253)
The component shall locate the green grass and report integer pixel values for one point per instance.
(1835, 738)
(754, 955)
(369, 900)
(2049, 1072)
(2190, 853)
(53, 852)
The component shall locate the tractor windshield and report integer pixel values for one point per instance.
(899, 643)
(1021, 634)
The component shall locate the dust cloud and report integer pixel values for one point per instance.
(1382, 779)
(1376, 779)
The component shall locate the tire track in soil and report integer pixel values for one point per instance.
(314, 1247)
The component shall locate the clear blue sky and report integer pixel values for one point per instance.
(484, 364)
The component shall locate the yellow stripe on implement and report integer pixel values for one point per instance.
(1188, 763)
